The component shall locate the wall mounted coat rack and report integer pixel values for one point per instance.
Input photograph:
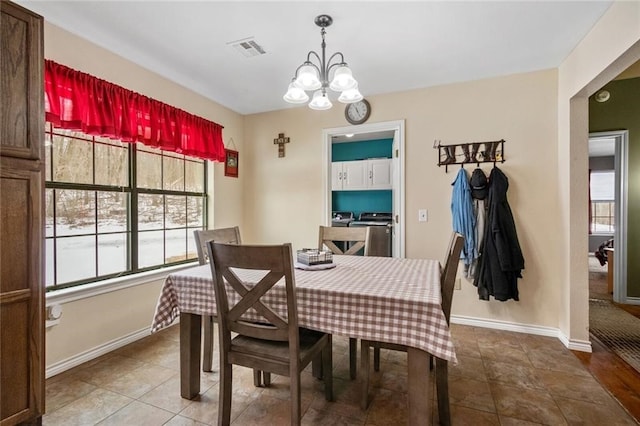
(470, 153)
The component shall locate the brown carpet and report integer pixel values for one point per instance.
(616, 329)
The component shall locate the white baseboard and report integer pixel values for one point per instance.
(74, 361)
(573, 344)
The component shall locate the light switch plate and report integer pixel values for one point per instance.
(422, 215)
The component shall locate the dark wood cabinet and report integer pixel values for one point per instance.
(21, 216)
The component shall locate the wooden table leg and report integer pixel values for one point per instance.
(419, 379)
(610, 262)
(190, 334)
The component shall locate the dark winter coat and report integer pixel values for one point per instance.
(501, 260)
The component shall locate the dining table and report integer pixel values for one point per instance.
(395, 300)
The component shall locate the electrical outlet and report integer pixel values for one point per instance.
(458, 284)
(422, 215)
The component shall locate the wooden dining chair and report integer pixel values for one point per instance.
(447, 284)
(229, 235)
(276, 344)
(354, 240)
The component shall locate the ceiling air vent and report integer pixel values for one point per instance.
(248, 47)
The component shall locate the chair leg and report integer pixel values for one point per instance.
(353, 357)
(257, 378)
(376, 358)
(442, 390)
(316, 367)
(327, 369)
(224, 398)
(296, 408)
(266, 376)
(207, 358)
(364, 374)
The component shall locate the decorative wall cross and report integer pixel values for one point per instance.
(280, 141)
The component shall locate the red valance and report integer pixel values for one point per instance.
(78, 101)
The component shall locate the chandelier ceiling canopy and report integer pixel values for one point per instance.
(313, 75)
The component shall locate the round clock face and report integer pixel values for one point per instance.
(357, 112)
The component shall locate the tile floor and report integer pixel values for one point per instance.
(502, 378)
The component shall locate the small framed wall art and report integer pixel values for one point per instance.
(231, 163)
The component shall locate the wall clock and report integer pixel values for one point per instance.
(357, 112)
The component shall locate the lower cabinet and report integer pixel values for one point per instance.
(21, 292)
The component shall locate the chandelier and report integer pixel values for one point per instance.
(313, 75)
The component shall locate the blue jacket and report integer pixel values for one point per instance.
(464, 221)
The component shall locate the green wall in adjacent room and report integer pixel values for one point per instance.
(362, 201)
(361, 150)
(622, 112)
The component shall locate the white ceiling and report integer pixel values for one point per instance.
(391, 46)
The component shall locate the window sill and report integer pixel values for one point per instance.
(107, 286)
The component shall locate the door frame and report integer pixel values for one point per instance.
(621, 166)
(398, 181)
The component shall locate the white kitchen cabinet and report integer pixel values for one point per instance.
(361, 175)
(349, 175)
(379, 173)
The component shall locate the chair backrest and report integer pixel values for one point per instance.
(448, 277)
(220, 235)
(358, 236)
(229, 263)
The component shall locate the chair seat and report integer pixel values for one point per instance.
(311, 343)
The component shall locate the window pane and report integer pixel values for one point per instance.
(112, 211)
(602, 185)
(72, 160)
(150, 211)
(195, 211)
(602, 220)
(76, 259)
(112, 163)
(150, 248)
(176, 211)
(194, 174)
(49, 222)
(73, 134)
(75, 212)
(192, 251)
(173, 174)
(149, 170)
(602, 209)
(47, 156)
(49, 275)
(112, 253)
(146, 148)
(176, 244)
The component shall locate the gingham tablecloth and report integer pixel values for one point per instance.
(376, 298)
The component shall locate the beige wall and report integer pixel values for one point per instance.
(90, 323)
(609, 48)
(284, 198)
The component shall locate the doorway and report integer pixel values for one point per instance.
(388, 129)
(602, 146)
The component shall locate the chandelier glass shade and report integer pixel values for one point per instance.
(313, 75)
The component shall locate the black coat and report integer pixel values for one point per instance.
(501, 261)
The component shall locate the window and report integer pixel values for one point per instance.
(602, 195)
(115, 208)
